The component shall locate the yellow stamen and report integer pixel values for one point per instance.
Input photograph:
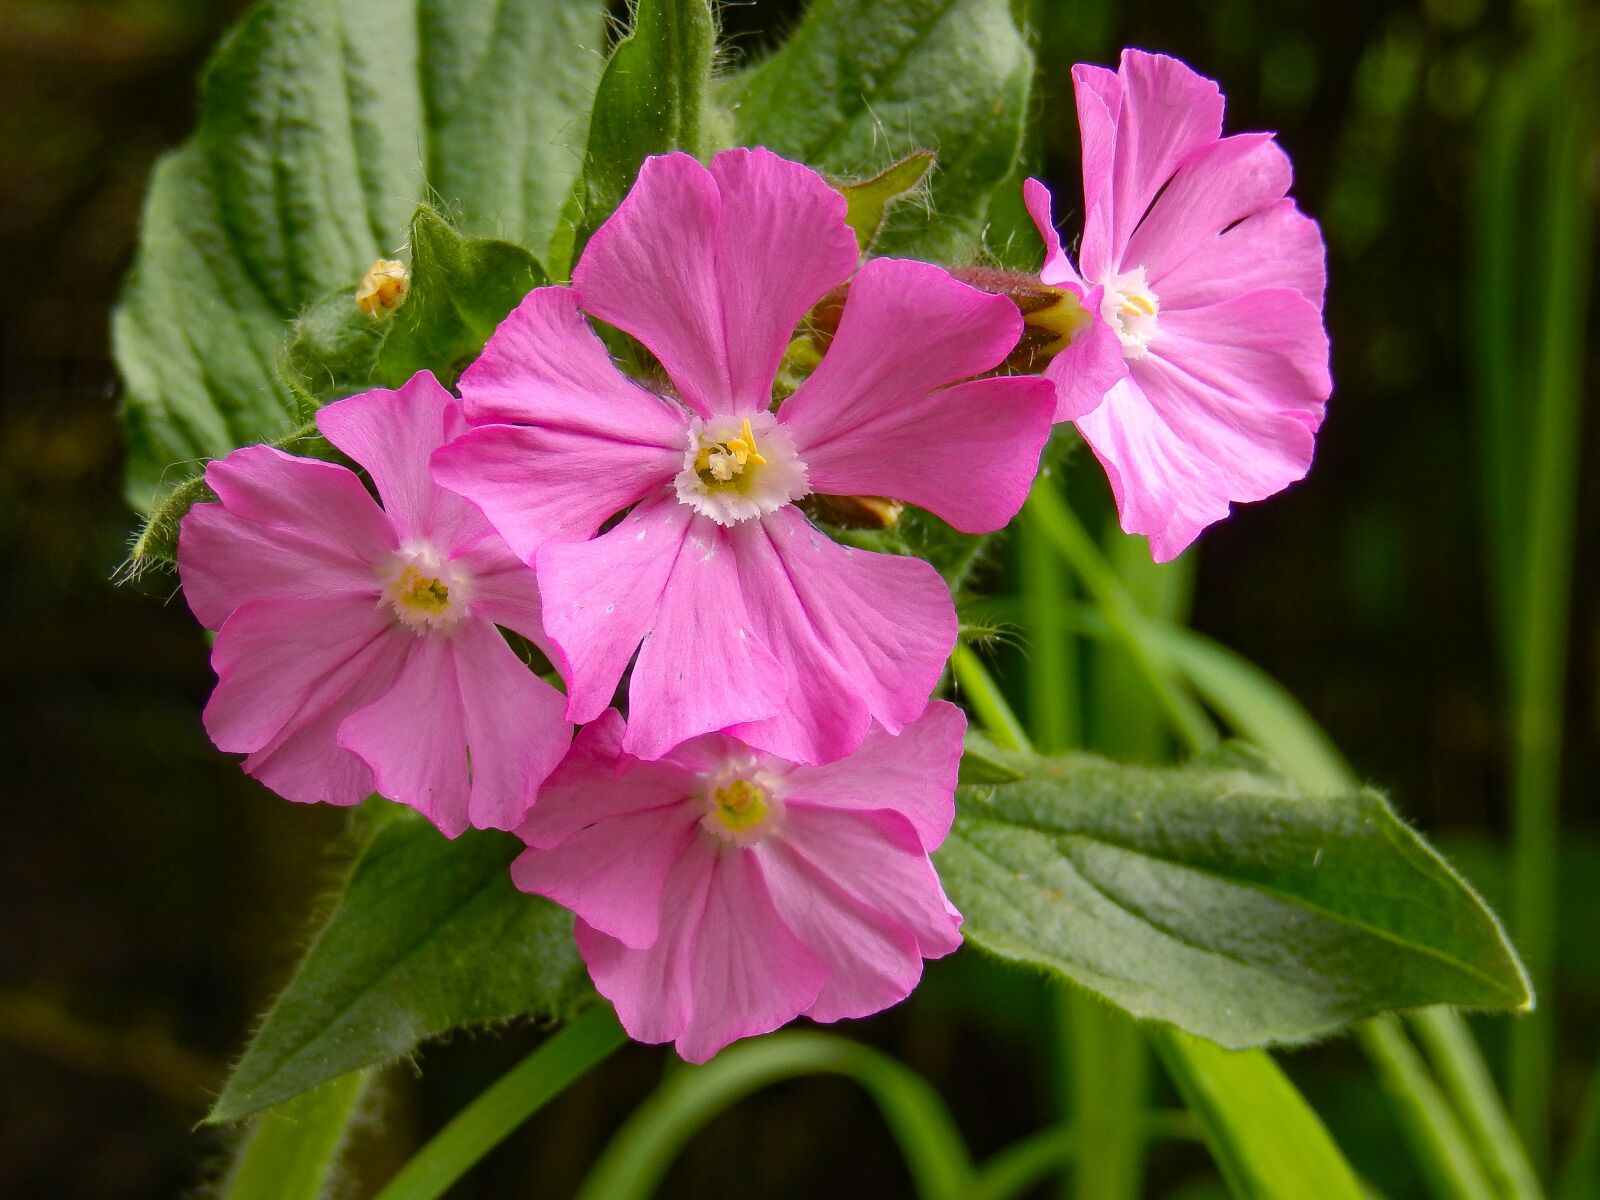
(739, 805)
(423, 592)
(1137, 304)
(724, 460)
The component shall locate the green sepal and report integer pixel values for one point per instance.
(867, 202)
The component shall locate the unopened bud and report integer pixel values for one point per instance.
(383, 288)
(856, 512)
(1051, 316)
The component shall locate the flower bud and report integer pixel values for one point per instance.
(1051, 316)
(383, 288)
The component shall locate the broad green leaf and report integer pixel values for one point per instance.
(429, 935)
(1214, 896)
(324, 124)
(652, 99)
(1265, 1138)
(858, 87)
(867, 202)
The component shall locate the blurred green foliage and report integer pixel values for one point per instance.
(152, 896)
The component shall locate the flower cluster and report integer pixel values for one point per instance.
(752, 842)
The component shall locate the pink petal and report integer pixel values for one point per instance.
(912, 773)
(713, 269)
(272, 654)
(1223, 408)
(317, 501)
(510, 598)
(860, 635)
(724, 967)
(597, 781)
(700, 668)
(668, 578)
(1216, 186)
(289, 672)
(1090, 366)
(1167, 113)
(225, 561)
(1277, 247)
(392, 434)
(1058, 268)
(539, 484)
(876, 417)
(545, 366)
(1099, 99)
(600, 598)
(613, 873)
(858, 889)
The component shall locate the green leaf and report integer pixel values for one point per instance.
(429, 935)
(858, 87)
(1217, 898)
(292, 1151)
(983, 762)
(1265, 1138)
(653, 98)
(867, 202)
(323, 125)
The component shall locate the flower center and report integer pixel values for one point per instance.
(737, 468)
(1131, 308)
(739, 809)
(427, 592)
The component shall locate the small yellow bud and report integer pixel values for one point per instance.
(383, 288)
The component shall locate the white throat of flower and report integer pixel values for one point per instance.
(428, 592)
(738, 468)
(1132, 309)
(741, 803)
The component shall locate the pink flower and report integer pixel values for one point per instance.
(751, 619)
(1202, 374)
(722, 892)
(356, 646)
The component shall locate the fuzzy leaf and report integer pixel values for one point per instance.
(1216, 897)
(858, 87)
(325, 123)
(429, 935)
(652, 99)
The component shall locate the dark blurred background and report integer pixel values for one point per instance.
(152, 898)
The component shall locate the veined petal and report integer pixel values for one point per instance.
(701, 667)
(1277, 247)
(270, 655)
(713, 269)
(545, 366)
(226, 561)
(1223, 408)
(597, 781)
(1090, 366)
(860, 635)
(1216, 186)
(912, 773)
(317, 501)
(1166, 113)
(392, 434)
(538, 484)
(510, 597)
(876, 417)
(1099, 100)
(613, 873)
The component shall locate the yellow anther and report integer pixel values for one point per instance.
(383, 289)
(424, 592)
(1138, 304)
(724, 460)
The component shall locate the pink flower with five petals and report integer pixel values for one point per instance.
(1202, 375)
(751, 620)
(356, 646)
(721, 891)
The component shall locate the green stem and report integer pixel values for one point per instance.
(1465, 1076)
(1067, 534)
(293, 1149)
(477, 1129)
(638, 1157)
(1452, 1170)
(1024, 1163)
(990, 707)
(1580, 1174)
(1539, 679)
